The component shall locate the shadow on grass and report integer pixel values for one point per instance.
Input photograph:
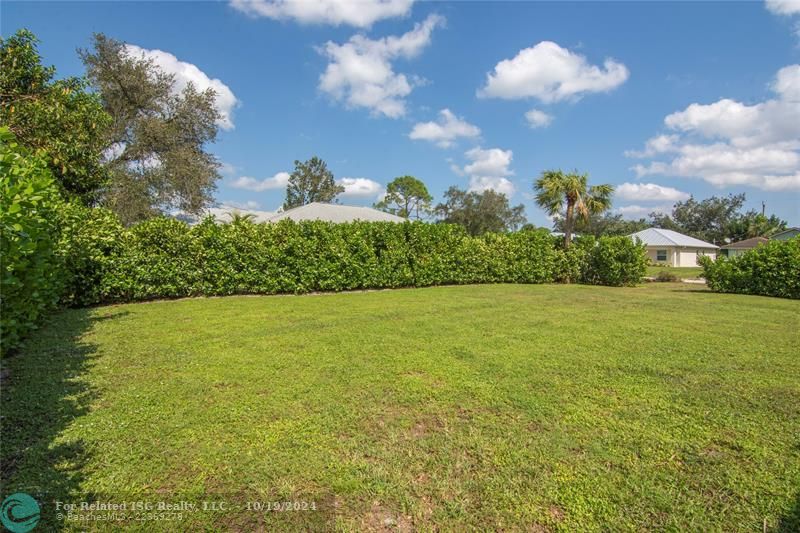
(43, 392)
(790, 523)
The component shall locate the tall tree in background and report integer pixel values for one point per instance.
(716, 219)
(480, 212)
(57, 119)
(311, 181)
(156, 147)
(407, 197)
(602, 224)
(570, 196)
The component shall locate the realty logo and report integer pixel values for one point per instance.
(19, 513)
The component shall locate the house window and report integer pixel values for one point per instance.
(661, 255)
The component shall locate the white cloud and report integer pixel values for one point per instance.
(784, 7)
(488, 169)
(538, 119)
(361, 13)
(641, 211)
(360, 187)
(278, 181)
(360, 72)
(444, 132)
(787, 83)
(249, 204)
(649, 192)
(185, 73)
(728, 143)
(551, 73)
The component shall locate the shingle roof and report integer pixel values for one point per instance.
(666, 237)
(335, 213)
(745, 244)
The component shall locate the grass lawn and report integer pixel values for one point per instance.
(515, 407)
(681, 272)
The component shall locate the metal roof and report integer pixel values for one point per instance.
(666, 237)
(745, 244)
(335, 213)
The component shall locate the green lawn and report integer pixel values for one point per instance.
(575, 408)
(681, 272)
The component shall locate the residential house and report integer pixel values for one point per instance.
(738, 248)
(672, 248)
(786, 234)
(335, 213)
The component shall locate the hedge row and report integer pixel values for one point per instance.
(165, 258)
(770, 269)
(31, 276)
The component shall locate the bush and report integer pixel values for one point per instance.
(32, 275)
(666, 276)
(616, 261)
(772, 269)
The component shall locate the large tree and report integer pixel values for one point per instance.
(156, 148)
(59, 120)
(599, 224)
(311, 181)
(570, 196)
(480, 212)
(407, 197)
(717, 219)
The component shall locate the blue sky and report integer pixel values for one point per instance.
(662, 100)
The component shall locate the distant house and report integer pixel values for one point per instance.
(335, 213)
(673, 248)
(737, 248)
(786, 234)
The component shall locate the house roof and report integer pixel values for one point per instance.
(745, 244)
(335, 213)
(667, 237)
(787, 230)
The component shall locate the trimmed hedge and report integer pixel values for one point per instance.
(770, 269)
(31, 273)
(165, 258)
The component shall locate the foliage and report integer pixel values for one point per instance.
(407, 197)
(32, 277)
(570, 196)
(616, 261)
(599, 224)
(165, 258)
(310, 182)
(90, 241)
(771, 269)
(480, 212)
(59, 120)
(156, 151)
(716, 219)
(666, 276)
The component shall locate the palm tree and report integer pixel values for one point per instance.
(237, 217)
(555, 188)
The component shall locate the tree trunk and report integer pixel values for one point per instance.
(568, 224)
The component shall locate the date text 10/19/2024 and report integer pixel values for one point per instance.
(184, 506)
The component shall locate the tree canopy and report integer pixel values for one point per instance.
(156, 145)
(717, 218)
(59, 120)
(310, 182)
(407, 197)
(599, 224)
(480, 212)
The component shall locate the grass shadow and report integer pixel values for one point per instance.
(790, 523)
(43, 392)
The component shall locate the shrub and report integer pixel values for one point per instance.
(772, 269)
(91, 240)
(616, 261)
(32, 276)
(666, 276)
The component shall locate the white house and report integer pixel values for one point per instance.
(335, 213)
(672, 248)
